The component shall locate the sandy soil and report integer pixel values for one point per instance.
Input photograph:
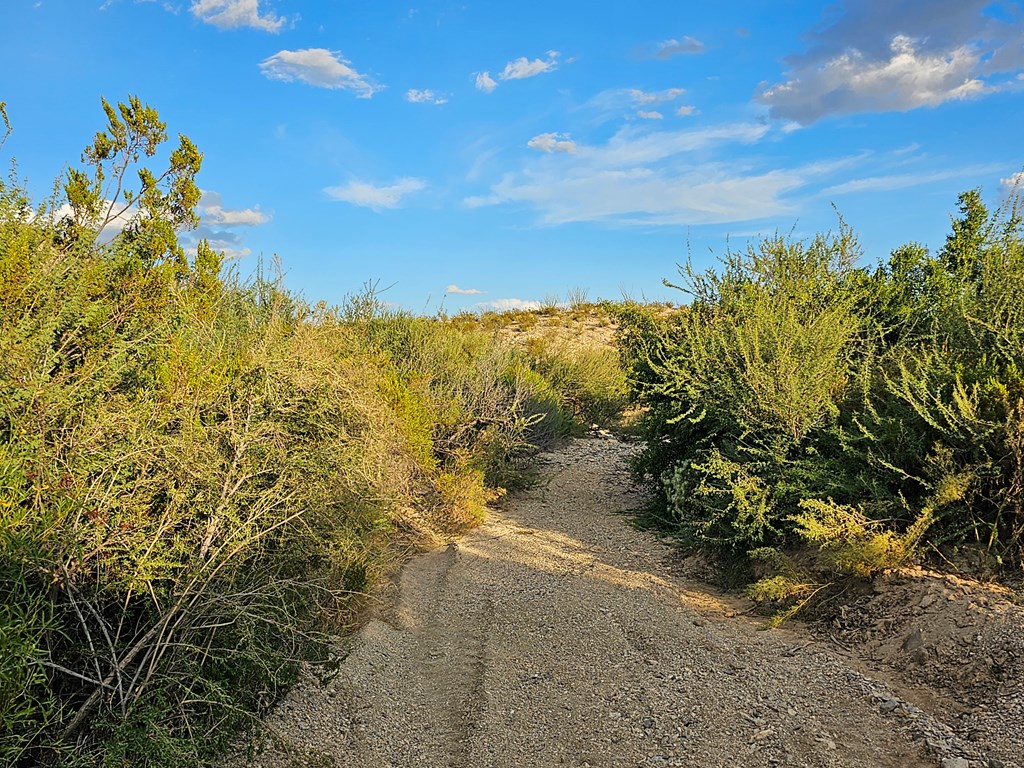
(557, 635)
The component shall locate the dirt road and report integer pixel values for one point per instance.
(555, 635)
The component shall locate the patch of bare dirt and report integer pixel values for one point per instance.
(955, 643)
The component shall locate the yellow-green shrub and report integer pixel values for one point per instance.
(199, 474)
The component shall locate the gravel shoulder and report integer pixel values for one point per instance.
(555, 634)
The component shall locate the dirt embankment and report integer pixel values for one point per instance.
(557, 635)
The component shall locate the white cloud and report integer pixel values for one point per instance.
(230, 14)
(653, 97)
(644, 177)
(877, 55)
(318, 67)
(614, 103)
(454, 289)
(505, 305)
(485, 83)
(907, 79)
(522, 67)
(646, 196)
(426, 96)
(1014, 183)
(552, 142)
(686, 110)
(650, 115)
(669, 48)
(376, 198)
(518, 69)
(124, 216)
(639, 146)
(212, 211)
(907, 180)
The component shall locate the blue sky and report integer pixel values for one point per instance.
(480, 154)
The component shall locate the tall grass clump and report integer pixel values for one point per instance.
(588, 379)
(871, 414)
(200, 474)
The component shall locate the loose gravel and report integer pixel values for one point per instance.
(556, 635)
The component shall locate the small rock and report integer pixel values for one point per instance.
(913, 641)
(955, 762)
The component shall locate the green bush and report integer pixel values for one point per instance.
(739, 382)
(797, 382)
(199, 474)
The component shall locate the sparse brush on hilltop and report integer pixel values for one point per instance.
(870, 413)
(200, 474)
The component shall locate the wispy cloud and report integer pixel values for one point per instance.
(906, 180)
(231, 14)
(686, 110)
(375, 197)
(552, 142)
(666, 49)
(485, 83)
(640, 146)
(454, 289)
(644, 177)
(615, 101)
(318, 67)
(653, 97)
(426, 96)
(652, 115)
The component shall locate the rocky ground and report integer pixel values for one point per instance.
(556, 634)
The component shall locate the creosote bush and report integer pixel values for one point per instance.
(200, 474)
(872, 414)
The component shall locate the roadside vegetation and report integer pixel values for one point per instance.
(201, 475)
(815, 419)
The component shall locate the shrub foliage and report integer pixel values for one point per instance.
(801, 398)
(199, 474)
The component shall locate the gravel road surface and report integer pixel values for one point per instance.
(556, 635)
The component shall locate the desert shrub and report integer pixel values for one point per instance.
(163, 445)
(488, 408)
(866, 413)
(953, 383)
(200, 474)
(739, 383)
